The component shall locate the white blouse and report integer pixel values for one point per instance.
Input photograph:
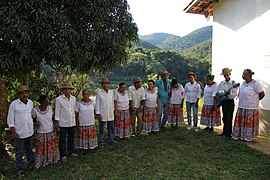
(44, 118)
(177, 95)
(86, 113)
(249, 95)
(192, 92)
(150, 98)
(122, 100)
(209, 94)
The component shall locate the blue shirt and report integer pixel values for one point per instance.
(163, 94)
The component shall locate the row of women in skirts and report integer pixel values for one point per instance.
(86, 137)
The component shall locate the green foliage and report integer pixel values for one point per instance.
(200, 51)
(149, 61)
(144, 44)
(81, 34)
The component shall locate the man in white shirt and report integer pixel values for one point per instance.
(228, 105)
(136, 95)
(105, 111)
(65, 106)
(20, 122)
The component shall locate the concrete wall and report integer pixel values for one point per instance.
(241, 39)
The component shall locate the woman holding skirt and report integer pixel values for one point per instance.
(122, 124)
(210, 116)
(150, 111)
(246, 123)
(47, 149)
(86, 136)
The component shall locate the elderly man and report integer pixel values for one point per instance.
(136, 95)
(163, 86)
(65, 106)
(21, 124)
(228, 105)
(105, 111)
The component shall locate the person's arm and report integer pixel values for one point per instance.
(98, 104)
(57, 114)
(11, 122)
(261, 95)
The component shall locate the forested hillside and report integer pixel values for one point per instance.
(177, 43)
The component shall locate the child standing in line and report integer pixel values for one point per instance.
(176, 93)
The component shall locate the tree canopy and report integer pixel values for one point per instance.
(85, 34)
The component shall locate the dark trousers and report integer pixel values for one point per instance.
(20, 145)
(66, 133)
(110, 128)
(227, 111)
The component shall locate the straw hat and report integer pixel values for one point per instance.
(23, 88)
(105, 80)
(67, 85)
(137, 79)
(226, 71)
(165, 72)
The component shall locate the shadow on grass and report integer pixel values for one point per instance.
(170, 154)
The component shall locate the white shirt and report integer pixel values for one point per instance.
(136, 95)
(44, 119)
(122, 101)
(20, 117)
(65, 111)
(249, 95)
(86, 113)
(105, 105)
(177, 95)
(224, 86)
(151, 98)
(192, 92)
(209, 94)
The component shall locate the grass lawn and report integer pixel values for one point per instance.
(171, 154)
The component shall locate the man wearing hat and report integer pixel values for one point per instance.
(105, 111)
(65, 106)
(228, 105)
(20, 122)
(163, 86)
(136, 95)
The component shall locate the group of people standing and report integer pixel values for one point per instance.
(129, 112)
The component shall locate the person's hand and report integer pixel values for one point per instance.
(99, 117)
(141, 109)
(196, 104)
(133, 110)
(37, 124)
(15, 136)
(116, 113)
(57, 127)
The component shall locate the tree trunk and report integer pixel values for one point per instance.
(25, 78)
(3, 113)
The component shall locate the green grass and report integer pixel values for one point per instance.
(171, 154)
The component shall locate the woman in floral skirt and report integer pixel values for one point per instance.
(210, 116)
(47, 150)
(86, 136)
(122, 114)
(150, 111)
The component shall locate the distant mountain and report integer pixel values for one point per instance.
(177, 43)
(145, 44)
(158, 39)
(200, 51)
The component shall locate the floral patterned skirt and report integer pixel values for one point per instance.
(150, 119)
(210, 116)
(86, 137)
(246, 124)
(175, 115)
(47, 149)
(122, 124)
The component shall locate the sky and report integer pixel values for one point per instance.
(166, 16)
